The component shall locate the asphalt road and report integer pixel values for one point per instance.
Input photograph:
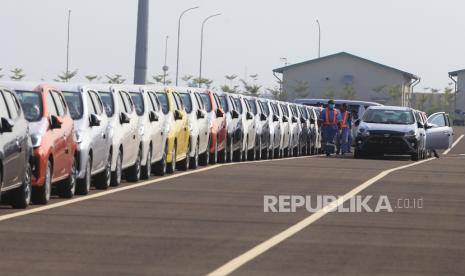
(193, 224)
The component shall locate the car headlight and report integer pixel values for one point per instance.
(79, 137)
(363, 132)
(36, 140)
(411, 133)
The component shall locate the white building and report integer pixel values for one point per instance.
(459, 78)
(346, 76)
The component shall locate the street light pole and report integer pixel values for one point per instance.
(319, 38)
(179, 38)
(67, 43)
(165, 67)
(201, 46)
(140, 67)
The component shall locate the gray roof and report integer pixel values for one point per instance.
(455, 73)
(407, 74)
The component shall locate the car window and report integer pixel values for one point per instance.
(265, 108)
(155, 101)
(253, 106)
(206, 102)
(217, 101)
(121, 102)
(385, 116)
(108, 103)
(285, 110)
(238, 103)
(3, 108)
(128, 102)
(224, 103)
(187, 101)
(74, 101)
(178, 101)
(97, 102)
(12, 104)
(163, 98)
(90, 103)
(438, 120)
(138, 100)
(51, 107)
(199, 100)
(31, 103)
(59, 105)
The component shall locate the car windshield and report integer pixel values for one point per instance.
(206, 101)
(163, 98)
(224, 103)
(108, 103)
(186, 100)
(138, 102)
(74, 101)
(386, 116)
(31, 103)
(253, 106)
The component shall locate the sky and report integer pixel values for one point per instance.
(250, 37)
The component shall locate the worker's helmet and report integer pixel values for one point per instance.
(330, 102)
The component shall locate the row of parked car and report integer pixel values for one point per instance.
(64, 138)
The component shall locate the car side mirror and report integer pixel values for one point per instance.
(153, 117)
(6, 125)
(357, 122)
(285, 119)
(234, 114)
(124, 118)
(200, 114)
(55, 122)
(249, 116)
(219, 113)
(294, 119)
(178, 115)
(94, 120)
(303, 121)
(275, 118)
(263, 117)
(420, 125)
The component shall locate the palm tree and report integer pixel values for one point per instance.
(1, 76)
(116, 79)
(66, 76)
(91, 78)
(18, 74)
(251, 89)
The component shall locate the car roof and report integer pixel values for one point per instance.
(337, 101)
(387, 107)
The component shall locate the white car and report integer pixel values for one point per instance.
(199, 124)
(262, 128)
(296, 130)
(151, 128)
(93, 136)
(127, 142)
(286, 146)
(248, 125)
(273, 125)
(233, 123)
(439, 132)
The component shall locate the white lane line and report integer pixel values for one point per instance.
(453, 145)
(130, 187)
(241, 260)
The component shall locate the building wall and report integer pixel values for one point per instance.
(341, 76)
(461, 91)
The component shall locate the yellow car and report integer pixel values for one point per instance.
(177, 125)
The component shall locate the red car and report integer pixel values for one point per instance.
(53, 140)
(219, 130)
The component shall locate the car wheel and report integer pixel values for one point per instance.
(104, 179)
(222, 154)
(358, 154)
(184, 164)
(214, 158)
(172, 166)
(41, 195)
(237, 156)
(67, 188)
(416, 156)
(83, 185)
(134, 172)
(160, 166)
(21, 197)
(117, 174)
(205, 157)
(230, 150)
(194, 163)
(147, 169)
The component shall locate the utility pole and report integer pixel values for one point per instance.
(201, 46)
(140, 67)
(319, 38)
(165, 67)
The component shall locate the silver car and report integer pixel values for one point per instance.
(247, 121)
(92, 135)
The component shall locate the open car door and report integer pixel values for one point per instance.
(439, 134)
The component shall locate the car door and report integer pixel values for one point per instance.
(59, 140)
(439, 134)
(130, 144)
(99, 135)
(153, 105)
(184, 134)
(11, 148)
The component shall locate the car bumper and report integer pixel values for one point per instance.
(387, 145)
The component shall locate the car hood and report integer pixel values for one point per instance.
(387, 127)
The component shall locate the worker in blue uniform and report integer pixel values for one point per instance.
(330, 123)
(343, 139)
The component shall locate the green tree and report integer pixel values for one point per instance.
(66, 76)
(392, 92)
(18, 74)
(252, 89)
(278, 94)
(196, 82)
(301, 89)
(329, 93)
(349, 93)
(91, 78)
(116, 79)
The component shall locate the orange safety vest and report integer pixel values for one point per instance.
(344, 121)
(334, 117)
